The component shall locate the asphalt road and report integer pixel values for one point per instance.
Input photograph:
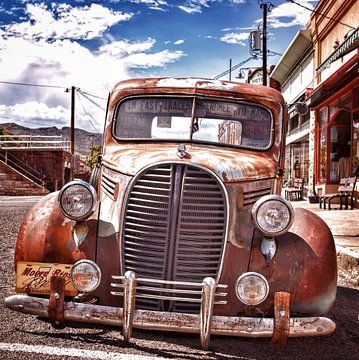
(25, 337)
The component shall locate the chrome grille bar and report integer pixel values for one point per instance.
(174, 231)
(180, 291)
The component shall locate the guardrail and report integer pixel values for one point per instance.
(13, 142)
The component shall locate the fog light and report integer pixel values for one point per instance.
(252, 288)
(85, 275)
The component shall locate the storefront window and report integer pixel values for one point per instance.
(355, 147)
(295, 122)
(322, 161)
(356, 99)
(297, 162)
(333, 108)
(346, 102)
(340, 150)
(323, 155)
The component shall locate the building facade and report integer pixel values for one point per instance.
(335, 96)
(294, 72)
(319, 72)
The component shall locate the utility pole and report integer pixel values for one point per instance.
(265, 7)
(230, 69)
(72, 122)
(72, 90)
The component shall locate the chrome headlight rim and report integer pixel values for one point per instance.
(260, 203)
(260, 276)
(87, 186)
(97, 269)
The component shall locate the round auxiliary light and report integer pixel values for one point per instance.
(252, 288)
(272, 215)
(77, 200)
(85, 275)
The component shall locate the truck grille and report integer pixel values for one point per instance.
(174, 231)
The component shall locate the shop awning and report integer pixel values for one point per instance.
(348, 45)
(295, 50)
(347, 72)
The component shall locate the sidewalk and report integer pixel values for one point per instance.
(344, 225)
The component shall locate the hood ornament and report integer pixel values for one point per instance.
(181, 151)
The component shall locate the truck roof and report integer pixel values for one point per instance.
(199, 84)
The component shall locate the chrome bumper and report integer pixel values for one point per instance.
(204, 323)
(177, 322)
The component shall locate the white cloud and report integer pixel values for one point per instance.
(152, 4)
(179, 42)
(195, 6)
(162, 58)
(122, 48)
(190, 9)
(289, 14)
(65, 22)
(31, 53)
(36, 109)
(39, 114)
(235, 38)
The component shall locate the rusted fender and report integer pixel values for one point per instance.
(47, 236)
(305, 265)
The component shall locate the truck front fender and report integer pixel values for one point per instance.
(46, 235)
(305, 265)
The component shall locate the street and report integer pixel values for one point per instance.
(25, 337)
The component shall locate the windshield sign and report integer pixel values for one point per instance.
(229, 123)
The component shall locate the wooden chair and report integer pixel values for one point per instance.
(295, 192)
(345, 192)
(323, 198)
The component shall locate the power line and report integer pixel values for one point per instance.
(90, 100)
(95, 96)
(234, 68)
(86, 113)
(33, 85)
(318, 13)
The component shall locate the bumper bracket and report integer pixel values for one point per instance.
(56, 302)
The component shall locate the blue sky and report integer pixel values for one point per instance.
(94, 44)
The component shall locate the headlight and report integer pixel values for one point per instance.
(252, 288)
(77, 200)
(85, 275)
(272, 215)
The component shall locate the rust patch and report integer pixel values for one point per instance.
(281, 320)
(56, 302)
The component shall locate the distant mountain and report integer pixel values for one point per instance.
(84, 140)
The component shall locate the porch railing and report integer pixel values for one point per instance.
(15, 142)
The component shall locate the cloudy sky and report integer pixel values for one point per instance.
(47, 47)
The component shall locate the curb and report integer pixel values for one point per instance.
(343, 251)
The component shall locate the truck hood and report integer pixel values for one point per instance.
(228, 164)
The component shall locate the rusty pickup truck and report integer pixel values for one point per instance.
(182, 226)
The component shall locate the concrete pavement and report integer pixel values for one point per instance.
(344, 225)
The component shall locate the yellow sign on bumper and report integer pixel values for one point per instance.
(35, 278)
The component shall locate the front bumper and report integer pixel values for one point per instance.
(177, 322)
(204, 323)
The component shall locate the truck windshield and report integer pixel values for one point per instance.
(173, 118)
